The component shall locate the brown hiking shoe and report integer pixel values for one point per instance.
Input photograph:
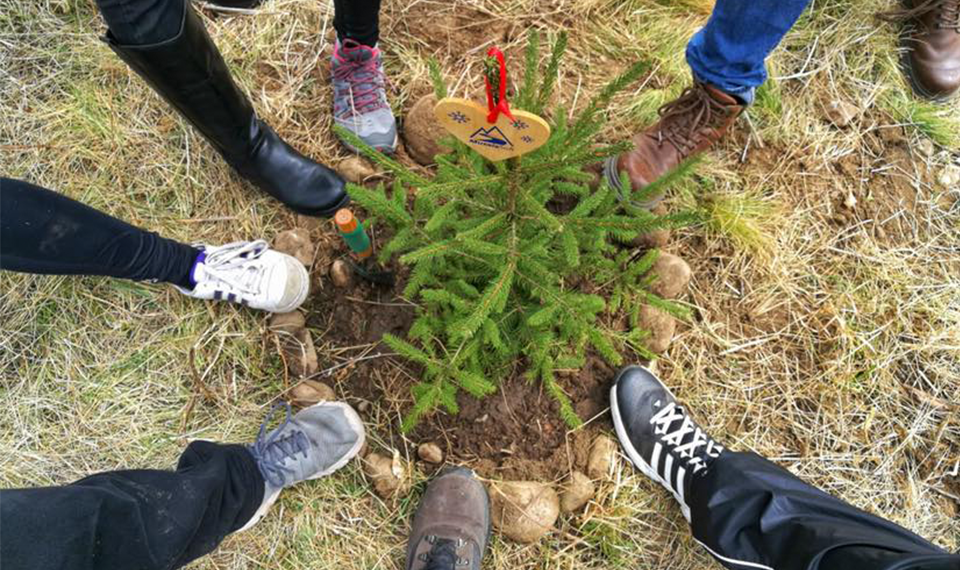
(688, 126)
(931, 38)
(452, 526)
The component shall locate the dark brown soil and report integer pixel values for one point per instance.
(516, 433)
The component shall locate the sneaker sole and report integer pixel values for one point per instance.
(354, 420)
(301, 296)
(388, 151)
(632, 454)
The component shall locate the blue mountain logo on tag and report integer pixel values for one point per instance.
(492, 137)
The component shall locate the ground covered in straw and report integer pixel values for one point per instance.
(826, 289)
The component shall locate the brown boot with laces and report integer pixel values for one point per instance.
(931, 38)
(688, 126)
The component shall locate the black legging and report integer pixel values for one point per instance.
(358, 20)
(143, 22)
(145, 519)
(45, 232)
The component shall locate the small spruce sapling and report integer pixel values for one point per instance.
(495, 262)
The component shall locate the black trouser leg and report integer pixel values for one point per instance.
(45, 232)
(357, 20)
(143, 520)
(751, 514)
(142, 22)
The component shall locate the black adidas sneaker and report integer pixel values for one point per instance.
(657, 434)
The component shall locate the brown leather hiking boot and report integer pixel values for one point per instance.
(452, 526)
(931, 36)
(688, 126)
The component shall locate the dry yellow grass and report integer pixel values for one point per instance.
(825, 339)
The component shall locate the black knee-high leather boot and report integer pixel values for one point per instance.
(188, 71)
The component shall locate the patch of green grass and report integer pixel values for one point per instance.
(940, 123)
(742, 217)
(608, 538)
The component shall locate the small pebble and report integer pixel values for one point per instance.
(842, 113)
(296, 243)
(851, 201)
(949, 176)
(603, 454)
(341, 274)
(577, 492)
(673, 275)
(926, 147)
(310, 392)
(355, 169)
(430, 452)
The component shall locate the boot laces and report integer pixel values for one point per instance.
(271, 451)
(948, 13)
(238, 266)
(361, 80)
(678, 431)
(683, 119)
(444, 555)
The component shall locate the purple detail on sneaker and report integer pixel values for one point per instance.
(201, 257)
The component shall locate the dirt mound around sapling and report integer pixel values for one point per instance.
(516, 433)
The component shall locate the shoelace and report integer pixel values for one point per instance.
(682, 131)
(237, 265)
(664, 420)
(272, 451)
(948, 16)
(443, 555)
(363, 78)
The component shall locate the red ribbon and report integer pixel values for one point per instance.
(501, 105)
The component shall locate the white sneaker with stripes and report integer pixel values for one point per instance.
(657, 435)
(251, 274)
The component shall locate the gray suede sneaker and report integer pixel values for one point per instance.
(312, 444)
(360, 98)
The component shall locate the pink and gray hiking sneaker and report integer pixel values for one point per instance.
(360, 98)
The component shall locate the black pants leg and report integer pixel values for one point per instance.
(45, 232)
(142, 22)
(358, 20)
(751, 514)
(143, 520)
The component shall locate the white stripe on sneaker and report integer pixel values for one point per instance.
(667, 474)
(655, 458)
(681, 474)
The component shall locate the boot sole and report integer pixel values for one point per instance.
(327, 212)
(248, 5)
(919, 89)
(612, 175)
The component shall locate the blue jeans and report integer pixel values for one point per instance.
(729, 52)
